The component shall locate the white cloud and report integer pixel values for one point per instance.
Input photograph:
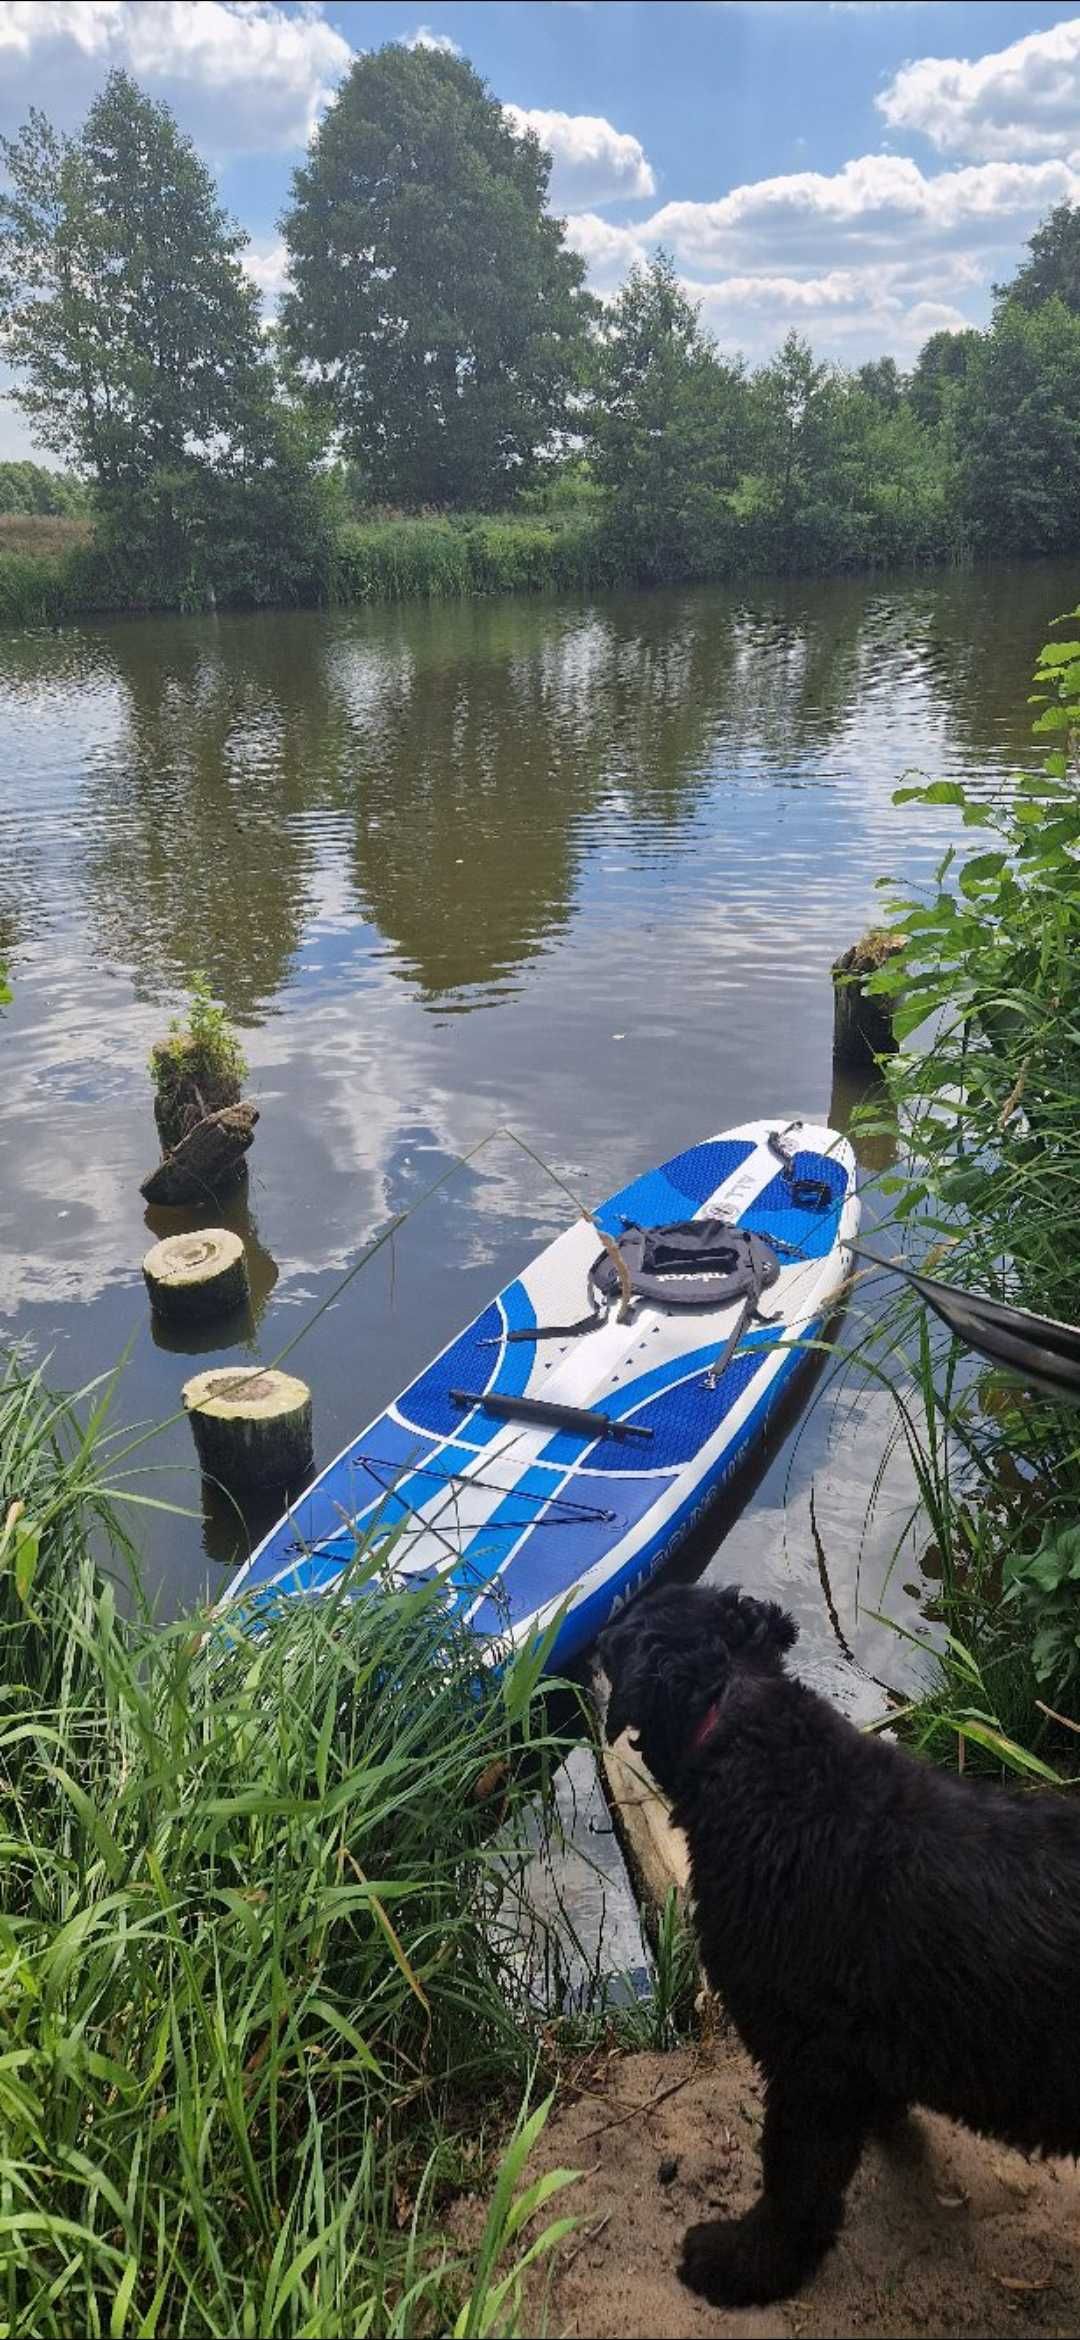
(874, 256)
(594, 162)
(608, 251)
(247, 76)
(1019, 101)
(929, 317)
(876, 203)
(424, 38)
(266, 261)
(874, 211)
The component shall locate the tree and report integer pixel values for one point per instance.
(882, 382)
(123, 304)
(942, 361)
(1017, 427)
(433, 299)
(796, 401)
(1054, 267)
(28, 487)
(667, 427)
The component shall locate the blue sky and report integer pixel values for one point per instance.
(862, 169)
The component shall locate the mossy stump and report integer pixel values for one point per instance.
(206, 1161)
(193, 1278)
(251, 1425)
(863, 1026)
(188, 1085)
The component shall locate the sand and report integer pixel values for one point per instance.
(945, 2234)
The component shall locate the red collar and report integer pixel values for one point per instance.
(705, 1728)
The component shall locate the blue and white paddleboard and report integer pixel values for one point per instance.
(524, 1518)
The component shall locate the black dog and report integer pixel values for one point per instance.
(882, 1934)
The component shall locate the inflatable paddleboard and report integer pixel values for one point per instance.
(566, 1442)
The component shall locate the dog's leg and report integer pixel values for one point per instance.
(810, 2152)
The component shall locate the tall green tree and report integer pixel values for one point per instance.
(1017, 431)
(882, 381)
(1052, 270)
(124, 309)
(433, 298)
(943, 361)
(667, 428)
(798, 435)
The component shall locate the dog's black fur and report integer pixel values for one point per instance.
(883, 1934)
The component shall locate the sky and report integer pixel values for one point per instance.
(861, 169)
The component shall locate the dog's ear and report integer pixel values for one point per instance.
(664, 1677)
(755, 1629)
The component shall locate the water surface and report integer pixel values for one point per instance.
(574, 869)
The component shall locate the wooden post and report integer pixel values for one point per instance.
(862, 1029)
(191, 1278)
(656, 1850)
(251, 1425)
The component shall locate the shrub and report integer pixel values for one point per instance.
(199, 1067)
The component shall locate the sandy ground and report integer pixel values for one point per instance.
(950, 2234)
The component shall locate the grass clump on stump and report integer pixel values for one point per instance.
(197, 1069)
(257, 2023)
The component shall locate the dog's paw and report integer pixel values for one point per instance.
(725, 2263)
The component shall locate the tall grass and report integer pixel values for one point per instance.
(33, 588)
(254, 2014)
(397, 558)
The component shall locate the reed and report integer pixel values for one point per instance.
(255, 2017)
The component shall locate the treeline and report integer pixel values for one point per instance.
(29, 488)
(442, 405)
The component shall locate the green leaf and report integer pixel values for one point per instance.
(1006, 1749)
(908, 1017)
(27, 1550)
(979, 871)
(932, 792)
(122, 2301)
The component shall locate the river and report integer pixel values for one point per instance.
(573, 869)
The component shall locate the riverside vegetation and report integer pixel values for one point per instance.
(402, 431)
(257, 2019)
(989, 1113)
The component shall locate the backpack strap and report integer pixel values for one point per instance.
(692, 1263)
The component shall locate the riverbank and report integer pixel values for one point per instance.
(53, 569)
(944, 2232)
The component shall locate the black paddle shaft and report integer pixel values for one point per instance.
(1038, 1348)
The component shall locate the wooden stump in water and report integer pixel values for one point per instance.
(191, 1278)
(208, 1159)
(863, 1029)
(252, 1426)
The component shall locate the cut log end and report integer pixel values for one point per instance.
(863, 1027)
(198, 1276)
(251, 1425)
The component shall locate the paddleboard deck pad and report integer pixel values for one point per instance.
(529, 1509)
